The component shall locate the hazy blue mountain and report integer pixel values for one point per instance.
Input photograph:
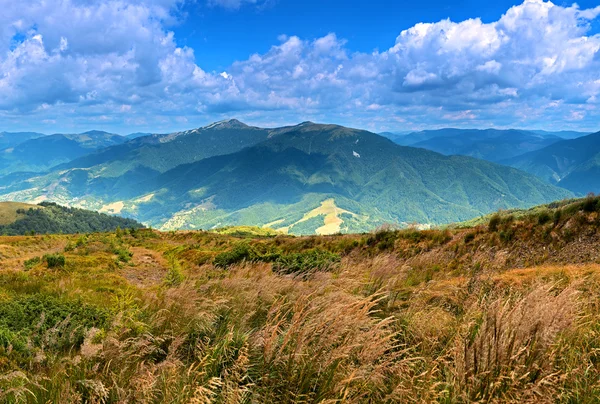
(137, 134)
(396, 137)
(563, 134)
(41, 153)
(11, 139)
(488, 144)
(308, 177)
(572, 164)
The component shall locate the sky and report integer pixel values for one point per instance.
(166, 65)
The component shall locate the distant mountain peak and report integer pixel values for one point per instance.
(96, 133)
(227, 124)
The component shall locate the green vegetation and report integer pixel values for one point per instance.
(32, 262)
(54, 260)
(304, 263)
(298, 263)
(453, 315)
(51, 218)
(246, 231)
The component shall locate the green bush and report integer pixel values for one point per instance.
(242, 252)
(544, 217)
(494, 222)
(123, 254)
(54, 260)
(30, 317)
(30, 263)
(557, 216)
(174, 275)
(307, 262)
(590, 203)
(469, 237)
(507, 236)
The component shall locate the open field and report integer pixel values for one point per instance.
(508, 311)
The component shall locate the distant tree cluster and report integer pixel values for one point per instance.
(56, 219)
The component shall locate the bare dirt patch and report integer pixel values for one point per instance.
(149, 268)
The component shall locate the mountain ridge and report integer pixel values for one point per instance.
(230, 173)
(573, 164)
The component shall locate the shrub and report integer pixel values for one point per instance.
(54, 260)
(469, 237)
(590, 203)
(30, 263)
(543, 217)
(557, 216)
(494, 222)
(123, 254)
(507, 235)
(307, 262)
(174, 275)
(55, 323)
(241, 252)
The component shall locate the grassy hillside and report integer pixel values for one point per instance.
(10, 212)
(20, 218)
(507, 311)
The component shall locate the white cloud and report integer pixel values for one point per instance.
(535, 64)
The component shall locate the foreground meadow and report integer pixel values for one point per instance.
(507, 310)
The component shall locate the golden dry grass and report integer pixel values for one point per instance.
(8, 211)
(454, 316)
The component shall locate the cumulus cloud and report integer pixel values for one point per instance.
(538, 65)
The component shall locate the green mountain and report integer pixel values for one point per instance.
(487, 144)
(301, 179)
(143, 156)
(19, 218)
(41, 153)
(572, 164)
(11, 139)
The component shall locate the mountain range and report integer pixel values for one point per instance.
(572, 164)
(40, 153)
(488, 144)
(11, 139)
(300, 179)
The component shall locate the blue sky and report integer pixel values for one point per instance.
(228, 34)
(165, 65)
